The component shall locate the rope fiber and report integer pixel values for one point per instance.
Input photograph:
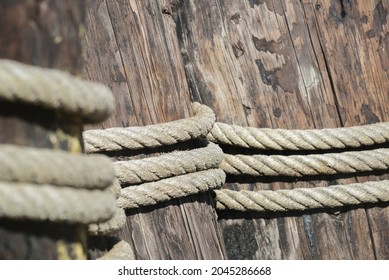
(303, 198)
(309, 139)
(151, 136)
(55, 90)
(306, 165)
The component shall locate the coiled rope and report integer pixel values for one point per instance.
(96, 198)
(309, 139)
(173, 175)
(51, 185)
(162, 178)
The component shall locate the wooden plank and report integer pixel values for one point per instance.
(267, 64)
(359, 72)
(43, 33)
(132, 47)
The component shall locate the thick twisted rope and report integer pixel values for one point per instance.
(312, 139)
(115, 139)
(303, 198)
(168, 165)
(55, 203)
(54, 89)
(42, 184)
(116, 222)
(303, 165)
(174, 187)
(44, 166)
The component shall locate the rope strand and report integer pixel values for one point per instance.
(168, 165)
(310, 139)
(152, 136)
(55, 90)
(303, 198)
(306, 165)
(174, 187)
(55, 203)
(54, 167)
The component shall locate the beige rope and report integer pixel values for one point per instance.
(302, 165)
(116, 222)
(55, 203)
(54, 89)
(119, 138)
(42, 184)
(121, 251)
(168, 165)
(313, 139)
(303, 198)
(54, 167)
(174, 187)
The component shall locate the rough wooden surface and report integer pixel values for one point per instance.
(292, 64)
(132, 47)
(44, 33)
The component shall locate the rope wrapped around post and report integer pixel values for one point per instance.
(300, 139)
(151, 136)
(168, 165)
(306, 165)
(174, 187)
(173, 175)
(51, 185)
(116, 222)
(55, 90)
(303, 198)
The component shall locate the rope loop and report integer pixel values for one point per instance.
(151, 136)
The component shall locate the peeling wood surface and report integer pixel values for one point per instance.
(264, 63)
(292, 64)
(132, 47)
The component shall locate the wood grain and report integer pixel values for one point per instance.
(132, 47)
(292, 64)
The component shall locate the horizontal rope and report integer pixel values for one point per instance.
(54, 167)
(54, 203)
(303, 198)
(310, 139)
(174, 187)
(120, 251)
(54, 89)
(151, 136)
(303, 165)
(168, 165)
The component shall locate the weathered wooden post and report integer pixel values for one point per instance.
(292, 64)
(43, 33)
(132, 47)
